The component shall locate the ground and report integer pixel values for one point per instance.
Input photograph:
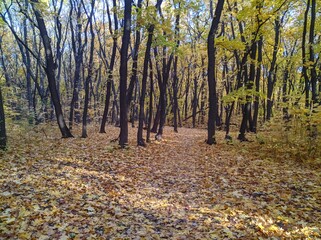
(179, 188)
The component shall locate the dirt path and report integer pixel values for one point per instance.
(179, 188)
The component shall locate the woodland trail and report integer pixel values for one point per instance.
(179, 188)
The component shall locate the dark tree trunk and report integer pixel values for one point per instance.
(187, 92)
(140, 140)
(50, 72)
(123, 137)
(304, 60)
(78, 49)
(257, 84)
(90, 72)
(133, 78)
(313, 71)
(246, 108)
(111, 68)
(163, 95)
(3, 135)
(211, 74)
(28, 64)
(175, 77)
(272, 71)
(151, 90)
(195, 102)
(156, 119)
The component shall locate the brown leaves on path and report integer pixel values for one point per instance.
(179, 188)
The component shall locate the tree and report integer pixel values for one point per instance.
(123, 136)
(150, 30)
(3, 135)
(90, 70)
(50, 70)
(212, 99)
(114, 34)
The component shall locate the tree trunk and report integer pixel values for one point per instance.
(313, 71)
(140, 140)
(272, 71)
(50, 72)
(133, 78)
(211, 74)
(78, 49)
(123, 137)
(3, 135)
(151, 90)
(175, 77)
(111, 68)
(257, 84)
(90, 72)
(304, 60)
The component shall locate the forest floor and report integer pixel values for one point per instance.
(178, 188)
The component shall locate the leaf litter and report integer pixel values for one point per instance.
(179, 188)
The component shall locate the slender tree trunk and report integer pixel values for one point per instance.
(3, 135)
(123, 137)
(163, 96)
(175, 77)
(133, 78)
(187, 92)
(151, 90)
(90, 72)
(195, 101)
(28, 65)
(50, 72)
(78, 48)
(140, 140)
(304, 57)
(272, 71)
(313, 71)
(257, 84)
(111, 68)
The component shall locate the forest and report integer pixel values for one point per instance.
(160, 119)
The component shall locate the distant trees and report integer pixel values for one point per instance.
(250, 59)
